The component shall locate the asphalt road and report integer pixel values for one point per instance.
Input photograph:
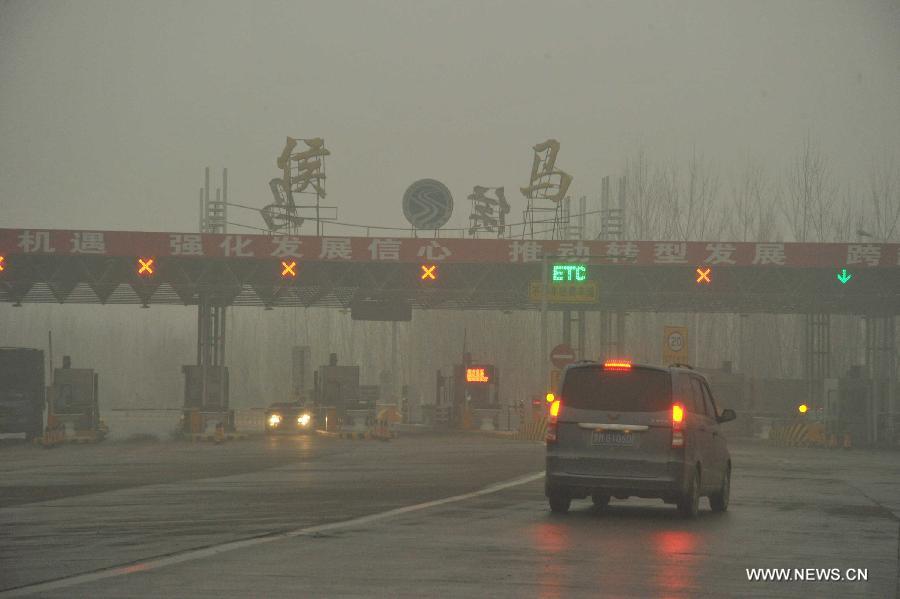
(436, 515)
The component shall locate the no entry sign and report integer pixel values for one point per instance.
(562, 355)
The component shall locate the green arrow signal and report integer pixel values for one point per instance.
(844, 276)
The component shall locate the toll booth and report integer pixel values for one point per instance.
(337, 390)
(74, 401)
(206, 398)
(849, 408)
(469, 398)
(22, 391)
(360, 415)
(301, 373)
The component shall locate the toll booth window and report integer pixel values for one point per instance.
(637, 390)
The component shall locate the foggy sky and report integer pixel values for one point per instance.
(109, 110)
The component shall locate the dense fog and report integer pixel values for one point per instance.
(730, 121)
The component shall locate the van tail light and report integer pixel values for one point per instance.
(552, 422)
(677, 426)
(554, 410)
(617, 365)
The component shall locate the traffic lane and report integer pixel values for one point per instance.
(29, 473)
(329, 480)
(509, 545)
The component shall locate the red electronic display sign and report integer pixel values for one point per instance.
(477, 374)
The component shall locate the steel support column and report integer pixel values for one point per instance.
(612, 333)
(582, 329)
(211, 313)
(210, 342)
(816, 355)
(574, 320)
(881, 368)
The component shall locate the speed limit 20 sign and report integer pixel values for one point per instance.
(675, 345)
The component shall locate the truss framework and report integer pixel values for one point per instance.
(459, 286)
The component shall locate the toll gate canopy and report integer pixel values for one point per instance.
(130, 267)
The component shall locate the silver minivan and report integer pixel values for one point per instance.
(622, 430)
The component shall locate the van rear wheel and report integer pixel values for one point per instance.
(718, 502)
(600, 501)
(560, 501)
(689, 502)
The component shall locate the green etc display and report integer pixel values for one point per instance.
(567, 273)
(566, 283)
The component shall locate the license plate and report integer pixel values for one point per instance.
(612, 438)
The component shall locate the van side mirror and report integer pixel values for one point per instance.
(727, 415)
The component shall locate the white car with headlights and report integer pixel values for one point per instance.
(289, 418)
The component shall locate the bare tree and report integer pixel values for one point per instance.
(884, 190)
(643, 204)
(767, 219)
(811, 195)
(750, 215)
(847, 218)
(690, 203)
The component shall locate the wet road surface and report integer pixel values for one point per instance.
(424, 516)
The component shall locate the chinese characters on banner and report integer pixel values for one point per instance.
(387, 249)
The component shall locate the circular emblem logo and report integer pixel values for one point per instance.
(427, 204)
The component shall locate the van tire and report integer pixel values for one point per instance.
(600, 501)
(718, 501)
(689, 502)
(560, 501)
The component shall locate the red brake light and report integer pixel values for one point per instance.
(551, 423)
(677, 425)
(619, 365)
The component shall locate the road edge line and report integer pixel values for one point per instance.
(211, 550)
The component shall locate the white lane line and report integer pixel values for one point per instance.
(196, 554)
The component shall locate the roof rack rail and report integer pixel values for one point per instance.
(680, 365)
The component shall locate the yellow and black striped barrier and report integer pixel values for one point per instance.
(536, 430)
(799, 434)
(359, 435)
(215, 437)
(52, 437)
(57, 436)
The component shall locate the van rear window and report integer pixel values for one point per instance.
(637, 390)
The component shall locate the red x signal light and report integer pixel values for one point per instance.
(703, 275)
(288, 269)
(146, 267)
(429, 272)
